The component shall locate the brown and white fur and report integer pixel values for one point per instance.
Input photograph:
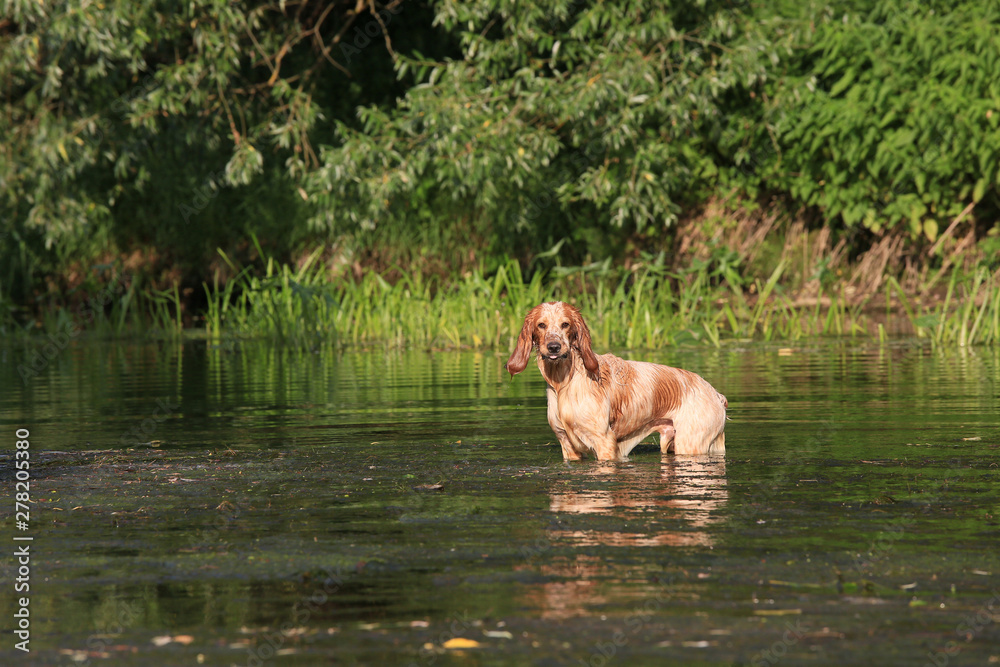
(607, 405)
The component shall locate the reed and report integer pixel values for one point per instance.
(969, 314)
(296, 305)
(646, 306)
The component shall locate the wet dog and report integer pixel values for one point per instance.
(607, 405)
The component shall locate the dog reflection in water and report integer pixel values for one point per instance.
(673, 505)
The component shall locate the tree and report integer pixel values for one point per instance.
(594, 121)
(122, 122)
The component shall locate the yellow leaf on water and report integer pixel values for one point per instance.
(776, 612)
(461, 642)
(476, 340)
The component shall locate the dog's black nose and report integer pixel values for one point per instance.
(554, 348)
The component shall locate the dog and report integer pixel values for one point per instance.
(607, 405)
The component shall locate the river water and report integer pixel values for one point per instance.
(256, 504)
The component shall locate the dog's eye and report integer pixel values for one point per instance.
(565, 325)
(541, 325)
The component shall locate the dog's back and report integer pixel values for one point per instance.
(644, 396)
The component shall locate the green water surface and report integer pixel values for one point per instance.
(263, 505)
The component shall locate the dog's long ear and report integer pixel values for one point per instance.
(525, 341)
(582, 342)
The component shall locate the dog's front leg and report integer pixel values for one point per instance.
(605, 445)
(607, 449)
(568, 451)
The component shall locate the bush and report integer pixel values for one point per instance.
(889, 118)
(589, 127)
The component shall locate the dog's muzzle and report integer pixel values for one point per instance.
(554, 351)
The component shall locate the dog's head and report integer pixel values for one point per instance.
(557, 329)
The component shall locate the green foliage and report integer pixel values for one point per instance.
(890, 115)
(446, 136)
(559, 118)
(573, 120)
(284, 303)
(179, 126)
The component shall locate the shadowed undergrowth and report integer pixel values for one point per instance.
(647, 304)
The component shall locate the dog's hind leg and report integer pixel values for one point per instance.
(718, 446)
(665, 427)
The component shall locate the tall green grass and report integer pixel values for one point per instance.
(968, 315)
(115, 311)
(644, 307)
(297, 305)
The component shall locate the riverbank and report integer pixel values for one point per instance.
(645, 304)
